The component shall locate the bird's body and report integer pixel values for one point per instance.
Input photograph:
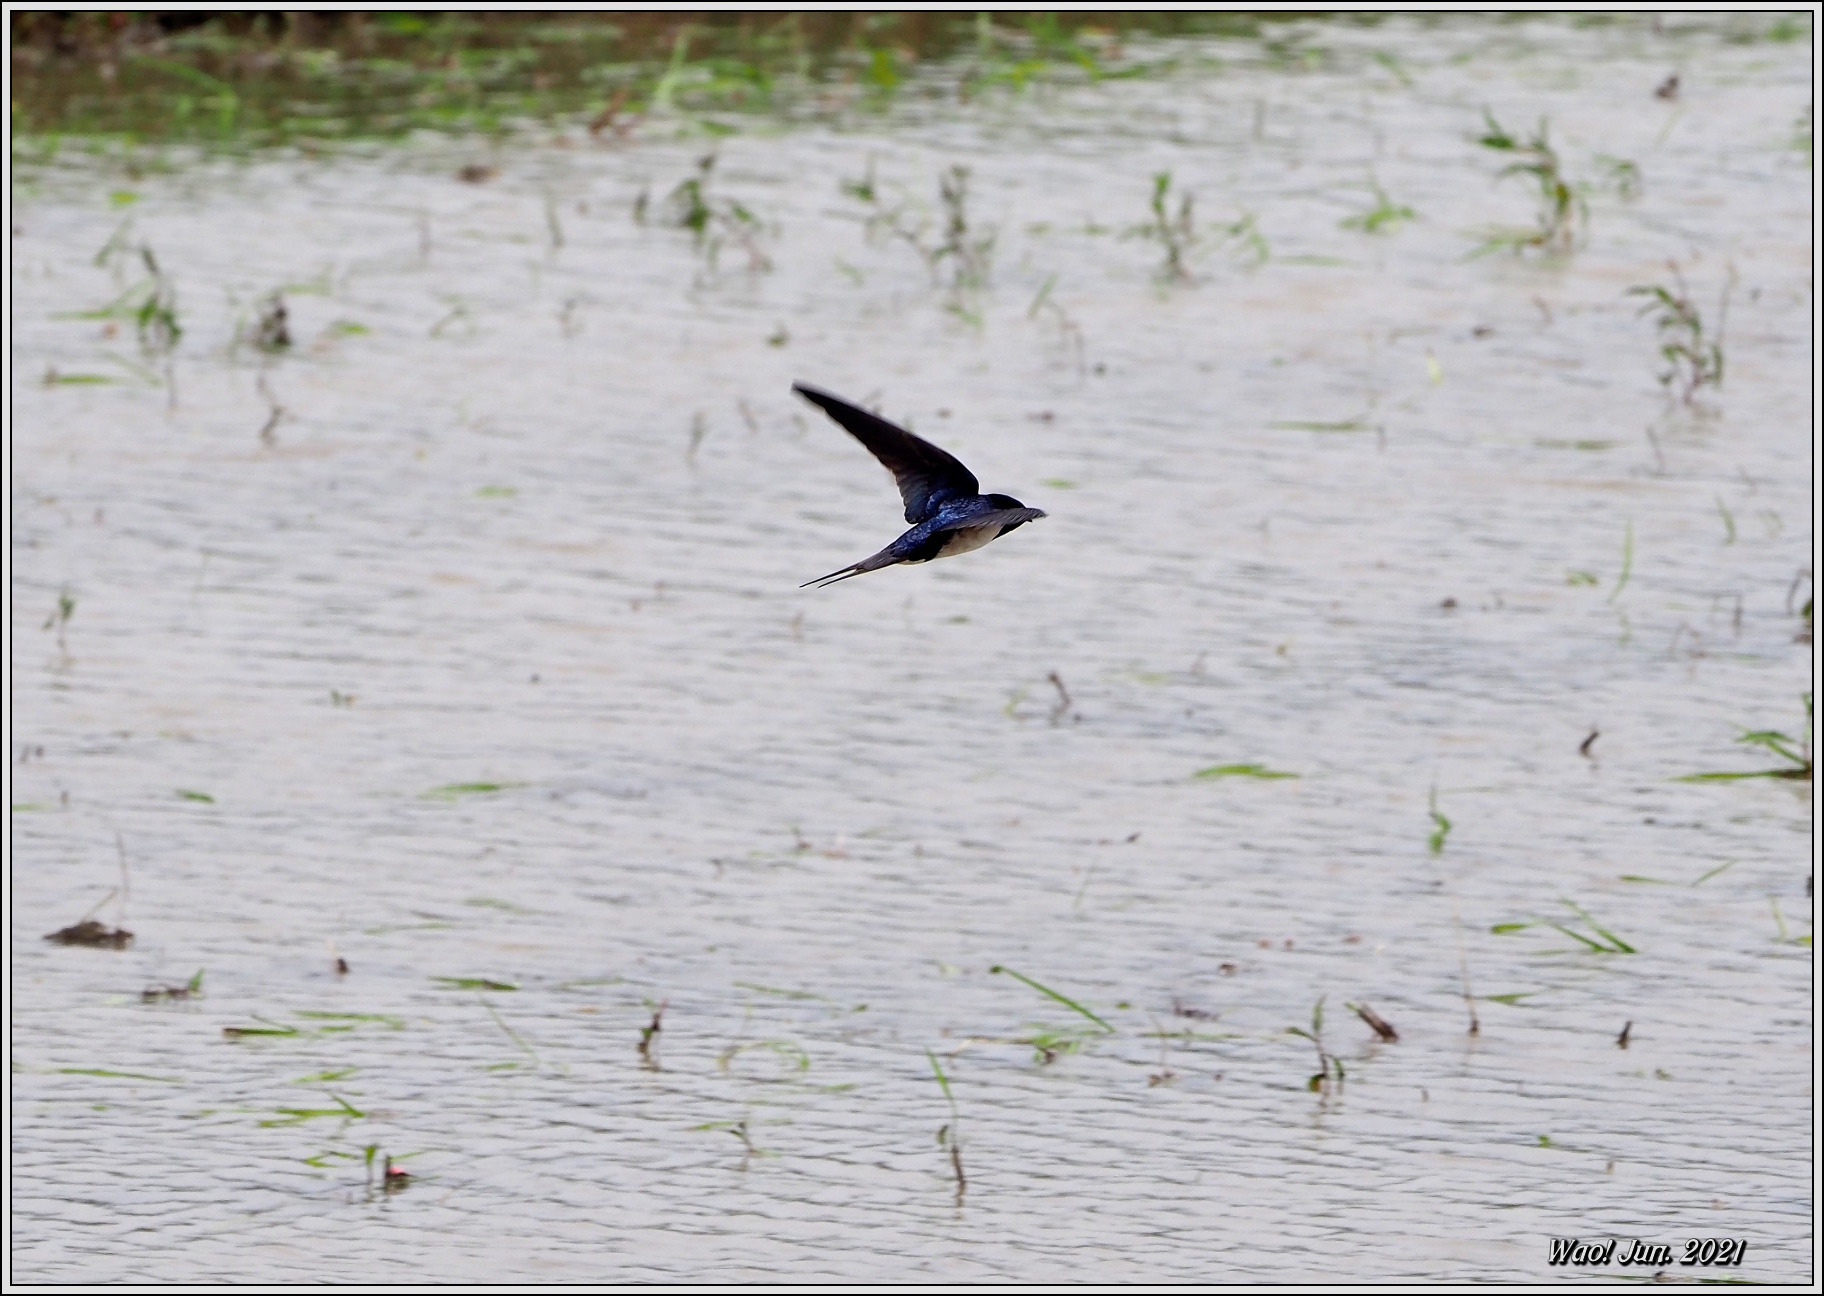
(944, 503)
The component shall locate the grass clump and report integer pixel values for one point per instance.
(1329, 1066)
(961, 261)
(1694, 360)
(150, 303)
(1174, 228)
(1563, 214)
(968, 252)
(714, 222)
(1175, 232)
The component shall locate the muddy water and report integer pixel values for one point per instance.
(494, 670)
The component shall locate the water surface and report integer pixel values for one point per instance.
(489, 664)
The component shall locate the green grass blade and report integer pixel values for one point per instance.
(1627, 562)
(1580, 937)
(1621, 946)
(942, 1081)
(1730, 776)
(1049, 993)
(473, 983)
(1242, 771)
(116, 1075)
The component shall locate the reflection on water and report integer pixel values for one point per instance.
(461, 640)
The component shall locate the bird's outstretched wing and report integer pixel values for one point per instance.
(926, 475)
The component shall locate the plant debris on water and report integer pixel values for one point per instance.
(93, 934)
(191, 988)
(1375, 1021)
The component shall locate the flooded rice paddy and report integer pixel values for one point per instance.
(461, 640)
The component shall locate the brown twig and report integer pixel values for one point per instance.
(1378, 1024)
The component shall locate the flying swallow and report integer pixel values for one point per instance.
(944, 503)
